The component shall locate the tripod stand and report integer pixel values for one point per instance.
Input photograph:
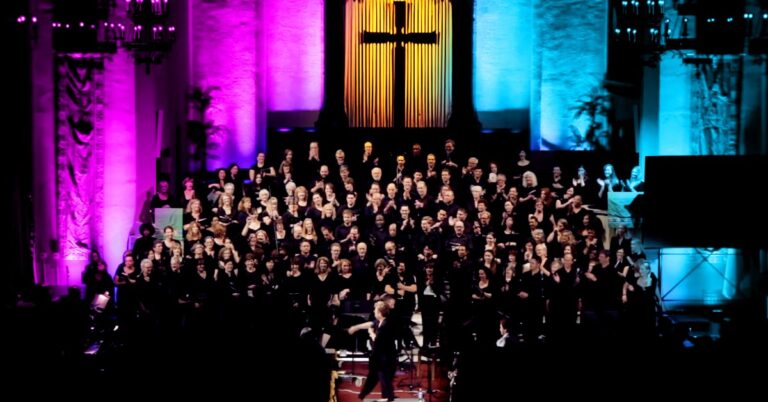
(430, 353)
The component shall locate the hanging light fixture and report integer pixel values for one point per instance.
(150, 36)
(77, 27)
(96, 27)
(638, 25)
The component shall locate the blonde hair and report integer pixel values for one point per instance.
(191, 202)
(225, 195)
(301, 189)
(330, 207)
(534, 181)
(327, 262)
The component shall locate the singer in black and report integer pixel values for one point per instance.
(383, 360)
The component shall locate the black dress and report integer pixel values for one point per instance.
(353, 284)
(509, 303)
(321, 292)
(158, 202)
(431, 296)
(563, 305)
(641, 307)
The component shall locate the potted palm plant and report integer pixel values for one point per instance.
(591, 114)
(200, 127)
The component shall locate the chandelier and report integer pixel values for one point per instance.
(638, 26)
(151, 36)
(96, 26)
(704, 27)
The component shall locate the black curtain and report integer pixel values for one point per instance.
(16, 268)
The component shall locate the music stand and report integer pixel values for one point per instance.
(430, 353)
(358, 308)
(356, 312)
(412, 381)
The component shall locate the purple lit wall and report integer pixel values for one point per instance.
(227, 52)
(294, 45)
(44, 150)
(120, 146)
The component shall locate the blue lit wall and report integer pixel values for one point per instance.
(699, 276)
(570, 56)
(503, 56)
(689, 276)
(674, 108)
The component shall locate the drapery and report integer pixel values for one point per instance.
(715, 107)
(79, 153)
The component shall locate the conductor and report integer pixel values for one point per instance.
(383, 360)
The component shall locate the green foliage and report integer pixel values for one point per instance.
(595, 107)
(201, 129)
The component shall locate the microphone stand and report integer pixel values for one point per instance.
(411, 368)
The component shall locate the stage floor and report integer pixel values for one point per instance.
(406, 384)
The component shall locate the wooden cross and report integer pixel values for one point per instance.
(400, 38)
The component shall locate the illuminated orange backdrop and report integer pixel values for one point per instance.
(369, 68)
